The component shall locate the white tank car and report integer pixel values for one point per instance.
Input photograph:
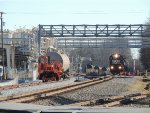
(61, 57)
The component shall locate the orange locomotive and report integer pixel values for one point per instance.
(51, 66)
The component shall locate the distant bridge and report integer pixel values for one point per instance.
(97, 36)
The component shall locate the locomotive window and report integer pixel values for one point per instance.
(115, 61)
(42, 60)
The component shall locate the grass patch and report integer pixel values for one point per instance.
(138, 85)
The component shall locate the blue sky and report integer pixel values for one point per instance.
(28, 13)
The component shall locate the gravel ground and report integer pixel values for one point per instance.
(15, 91)
(117, 86)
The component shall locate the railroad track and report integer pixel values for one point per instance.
(24, 85)
(30, 96)
(114, 100)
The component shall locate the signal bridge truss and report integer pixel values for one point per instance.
(97, 36)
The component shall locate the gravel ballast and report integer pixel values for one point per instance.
(116, 86)
(15, 91)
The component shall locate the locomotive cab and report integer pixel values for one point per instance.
(42, 63)
(46, 69)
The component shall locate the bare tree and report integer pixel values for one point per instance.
(145, 52)
(100, 56)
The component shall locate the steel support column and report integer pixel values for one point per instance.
(39, 39)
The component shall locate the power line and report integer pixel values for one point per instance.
(78, 12)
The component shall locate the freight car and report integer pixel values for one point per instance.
(53, 66)
(117, 64)
(94, 71)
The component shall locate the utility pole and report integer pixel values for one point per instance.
(2, 40)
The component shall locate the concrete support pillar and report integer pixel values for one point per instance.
(10, 50)
(24, 66)
(13, 61)
(13, 57)
(34, 71)
(8, 63)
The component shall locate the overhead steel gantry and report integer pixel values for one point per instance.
(93, 30)
(76, 36)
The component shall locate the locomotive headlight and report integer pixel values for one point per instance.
(116, 55)
(111, 67)
(119, 67)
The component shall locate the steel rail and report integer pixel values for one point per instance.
(113, 101)
(25, 97)
(8, 87)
